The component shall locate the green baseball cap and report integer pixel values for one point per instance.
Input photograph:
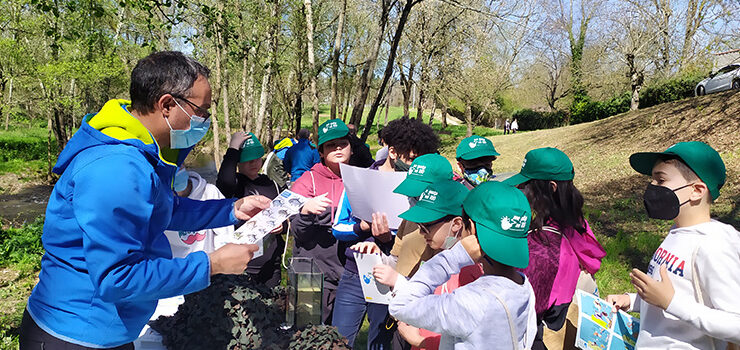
(700, 157)
(543, 164)
(438, 200)
(251, 149)
(332, 129)
(475, 147)
(502, 215)
(424, 170)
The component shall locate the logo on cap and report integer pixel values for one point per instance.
(524, 163)
(329, 126)
(429, 196)
(417, 169)
(516, 223)
(477, 141)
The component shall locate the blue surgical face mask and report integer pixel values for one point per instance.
(450, 240)
(477, 176)
(180, 139)
(181, 180)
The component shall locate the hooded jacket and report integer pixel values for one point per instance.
(313, 233)
(107, 261)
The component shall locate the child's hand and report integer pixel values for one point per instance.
(316, 205)
(653, 292)
(380, 227)
(385, 274)
(619, 301)
(410, 334)
(470, 243)
(366, 248)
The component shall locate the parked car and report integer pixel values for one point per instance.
(724, 79)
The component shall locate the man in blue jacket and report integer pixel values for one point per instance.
(107, 260)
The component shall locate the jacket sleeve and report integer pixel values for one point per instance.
(456, 314)
(286, 162)
(719, 279)
(194, 215)
(114, 221)
(344, 227)
(226, 180)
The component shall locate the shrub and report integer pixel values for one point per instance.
(587, 110)
(17, 146)
(22, 246)
(533, 120)
(673, 89)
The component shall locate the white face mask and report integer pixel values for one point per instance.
(450, 240)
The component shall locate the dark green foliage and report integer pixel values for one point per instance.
(319, 338)
(679, 87)
(587, 110)
(22, 246)
(533, 120)
(237, 313)
(20, 145)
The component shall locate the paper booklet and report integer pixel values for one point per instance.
(286, 204)
(373, 291)
(601, 329)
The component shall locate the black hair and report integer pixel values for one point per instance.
(165, 72)
(408, 135)
(303, 134)
(563, 206)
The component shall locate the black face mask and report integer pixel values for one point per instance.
(661, 202)
(399, 165)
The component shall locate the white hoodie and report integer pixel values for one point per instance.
(688, 323)
(186, 242)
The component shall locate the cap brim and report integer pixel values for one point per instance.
(644, 162)
(479, 153)
(419, 214)
(411, 187)
(502, 248)
(516, 180)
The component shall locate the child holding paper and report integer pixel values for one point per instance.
(312, 226)
(496, 311)
(688, 298)
(407, 139)
(561, 244)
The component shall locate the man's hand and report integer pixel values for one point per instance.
(247, 207)
(380, 228)
(653, 292)
(231, 258)
(366, 248)
(385, 274)
(619, 302)
(470, 243)
(316, 205)
(237, 139)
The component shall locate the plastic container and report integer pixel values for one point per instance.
(305, 292)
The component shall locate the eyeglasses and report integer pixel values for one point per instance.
(200, 111)
(426, 228)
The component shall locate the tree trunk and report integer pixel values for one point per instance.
(389, 66)
(245, 76)
(216, 135)
(312, 70)
(335, 61)
(469, 119)
(267, 78)
(48, 150)
(363, 84)
(408, 82)
(387, 107)
(636, 80)
(444, 116)
(8, 102)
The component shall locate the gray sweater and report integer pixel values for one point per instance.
(471, 317)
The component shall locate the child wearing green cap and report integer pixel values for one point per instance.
(312, 226)
(688, 298)
(475, 156)
(239, 176)
(496, 311)
(563, 249)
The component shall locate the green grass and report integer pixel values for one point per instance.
(23, 151)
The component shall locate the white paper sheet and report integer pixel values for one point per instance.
(286, 204)
(373, 291)
(371, 191)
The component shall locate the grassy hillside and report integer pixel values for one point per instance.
(613, 191)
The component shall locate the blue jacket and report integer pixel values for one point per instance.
(299, 158)
(107, 261)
